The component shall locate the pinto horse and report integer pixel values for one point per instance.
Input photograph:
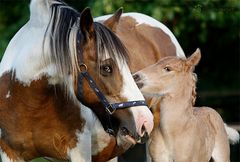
(184, 133)
(58, 59)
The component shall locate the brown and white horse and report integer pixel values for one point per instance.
(40, 76)
(184, 133)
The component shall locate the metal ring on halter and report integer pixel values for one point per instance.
(82, 67)
(110, 109)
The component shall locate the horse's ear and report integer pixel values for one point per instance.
(194, 59)
(114, 19)
(86, 21)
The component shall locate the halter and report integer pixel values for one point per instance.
(110, 108)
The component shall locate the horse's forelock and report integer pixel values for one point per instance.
(109, 45)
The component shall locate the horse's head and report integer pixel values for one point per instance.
(168, 75)
(103, 74)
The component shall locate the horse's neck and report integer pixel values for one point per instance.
(176, 109)
(39, 11)
(24, 54)
(32, 95)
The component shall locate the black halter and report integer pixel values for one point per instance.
(110, 108)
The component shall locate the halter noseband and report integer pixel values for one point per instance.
(110, 108)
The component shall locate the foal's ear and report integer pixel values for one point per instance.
(114, 19)
(194, 59)
(86, 21)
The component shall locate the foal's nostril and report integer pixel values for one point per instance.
(136, 77)
(140, 85)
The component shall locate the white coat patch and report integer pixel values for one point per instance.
(8, 94)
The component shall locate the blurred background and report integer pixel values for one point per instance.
(213, 26)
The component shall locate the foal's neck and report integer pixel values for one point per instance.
(176, 107)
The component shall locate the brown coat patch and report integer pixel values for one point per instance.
(146, 44)
(37, 120)
(108, 152)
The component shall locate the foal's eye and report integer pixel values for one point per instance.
(106, 70)
(167, 69)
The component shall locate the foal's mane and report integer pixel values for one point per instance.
(62, 31)
(194, 93)
(193, 78)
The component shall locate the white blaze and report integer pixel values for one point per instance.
(141, 114)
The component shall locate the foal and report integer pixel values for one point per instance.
(184, 133)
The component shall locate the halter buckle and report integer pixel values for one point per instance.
(110, 109)
(82, 67)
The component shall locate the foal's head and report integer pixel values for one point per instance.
(79, 45)
(168, 76)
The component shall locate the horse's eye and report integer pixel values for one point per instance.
(106, 70)
(167, 69)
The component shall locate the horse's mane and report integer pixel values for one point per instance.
(62, 31)
(63, 19)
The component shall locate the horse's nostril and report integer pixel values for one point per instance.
(143, 129)
(144, 138)
(136, 77)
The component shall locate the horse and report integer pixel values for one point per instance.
(185, 132)
(59, 61)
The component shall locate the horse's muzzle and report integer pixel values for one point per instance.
(137, 138)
